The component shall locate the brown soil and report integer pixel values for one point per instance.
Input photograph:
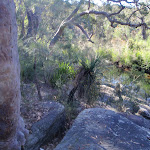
(31, 107)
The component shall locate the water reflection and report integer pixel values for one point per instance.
(132, 82)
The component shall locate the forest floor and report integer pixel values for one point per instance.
(32, 110)
(31, 106)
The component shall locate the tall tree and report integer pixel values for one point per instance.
(113, 17)
(33, 22)
(12, 131)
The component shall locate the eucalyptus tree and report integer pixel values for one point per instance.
(135, 19)
(12, 130)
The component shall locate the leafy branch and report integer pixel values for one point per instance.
(72, 18)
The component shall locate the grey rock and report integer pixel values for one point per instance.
(139, 120)
(107, 94)
(45, 129)
(101, 129)
(131, 106)
(144, 112)
(148, 99)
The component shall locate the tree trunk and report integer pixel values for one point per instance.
(12, 131)
(144, 35)
(36, 81)
(33, 23)
(22, 34)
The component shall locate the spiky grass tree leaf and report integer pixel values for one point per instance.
(86, 80)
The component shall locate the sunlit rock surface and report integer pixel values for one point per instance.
(101, 129)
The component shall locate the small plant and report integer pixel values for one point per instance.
(133, 52)
(85, 81)
(61, 74)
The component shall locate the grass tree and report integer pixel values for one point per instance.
(85, 81)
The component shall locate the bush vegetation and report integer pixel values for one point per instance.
(133, 52)
(73, 58)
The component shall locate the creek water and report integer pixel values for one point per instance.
(135, 82)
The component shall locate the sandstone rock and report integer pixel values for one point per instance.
(131, 106)
(139, 120)
(45, 129)
(101, 129)
(148, 100)
(144, 112)
(107, 94)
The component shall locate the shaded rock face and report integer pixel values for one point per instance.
(121, 101)
(139, 120)
(45, 129)
(144, 112)
(101, 129)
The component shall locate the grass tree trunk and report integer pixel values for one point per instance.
(12, 131)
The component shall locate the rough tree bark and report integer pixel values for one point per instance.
(144, 35)
(12, 131)
(33, 22)
(22, 26)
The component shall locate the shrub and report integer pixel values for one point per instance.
(60, 75)
(133, 52)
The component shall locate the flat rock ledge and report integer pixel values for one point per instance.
(101, 129)
(45, 129)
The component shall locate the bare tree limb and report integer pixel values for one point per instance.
(63, 25)
(108, 16)
(132, 15)
(75, 10)
(84, 32)
(57, 35)
(122, 8)
(91, 35)
(138, 9)
(119, 1)
(71, 19)
(89, 5)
